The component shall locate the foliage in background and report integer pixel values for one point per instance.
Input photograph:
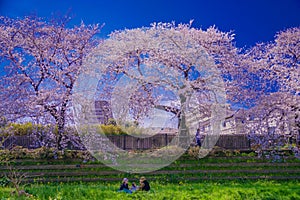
(42, 60)
(274, 121)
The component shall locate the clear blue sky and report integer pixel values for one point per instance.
(251, 20)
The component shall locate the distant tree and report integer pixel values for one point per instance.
(180, 65)
(278, 65)
(41, 61)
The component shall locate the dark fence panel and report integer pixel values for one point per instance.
(234, 142)
(128, 142)
(24, 141)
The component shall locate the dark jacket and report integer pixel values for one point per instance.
(124, 186)
(145, 186)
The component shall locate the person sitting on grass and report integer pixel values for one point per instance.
(133, 187)
(124, 186)
(144, 184)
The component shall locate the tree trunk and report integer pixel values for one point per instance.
(61, 127)
(61, 122)
(183, 136)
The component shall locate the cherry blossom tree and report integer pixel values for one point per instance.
(41, 61)
(177, 69)
(215, 45)
(277, 66)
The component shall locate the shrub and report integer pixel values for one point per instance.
(110, 129)
(194, 152)
(4, 181)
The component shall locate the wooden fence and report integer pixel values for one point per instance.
(128, 142)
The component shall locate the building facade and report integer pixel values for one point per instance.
(103, 111)
(233, 124)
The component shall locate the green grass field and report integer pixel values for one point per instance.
(203, 190)
(213, 177)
